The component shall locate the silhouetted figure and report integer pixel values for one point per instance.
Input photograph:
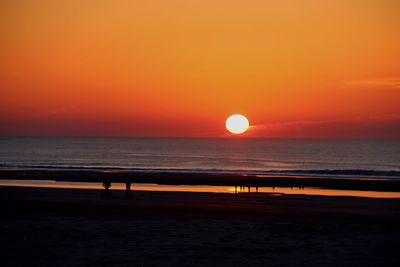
(128, 191)
(106, 193)
(256, 189)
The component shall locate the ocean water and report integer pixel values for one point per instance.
(256, 156)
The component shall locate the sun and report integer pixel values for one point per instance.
(237, 124)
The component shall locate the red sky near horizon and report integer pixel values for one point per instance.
(304, 69)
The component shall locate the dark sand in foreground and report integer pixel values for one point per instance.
(70, 227)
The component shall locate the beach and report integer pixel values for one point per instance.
(332, 181)
(200, 133)
(75, 227)
(199, 202)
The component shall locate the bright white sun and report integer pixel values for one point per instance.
(237, 124)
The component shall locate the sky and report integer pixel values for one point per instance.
(295, 69)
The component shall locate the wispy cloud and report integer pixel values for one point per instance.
(382, 126)
(393, 82)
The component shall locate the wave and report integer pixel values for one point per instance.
(340, 173)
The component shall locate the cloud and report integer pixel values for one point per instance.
(384, 126)
(392, 82)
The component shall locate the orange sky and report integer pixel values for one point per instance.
(320, 69)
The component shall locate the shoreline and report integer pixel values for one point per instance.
(211, 179)
(317, 173)
(202, 189)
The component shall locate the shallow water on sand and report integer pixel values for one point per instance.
(204, 188)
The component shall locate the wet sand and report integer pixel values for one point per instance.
(212, 179)
(72, 227)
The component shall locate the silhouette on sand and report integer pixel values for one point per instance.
(128, 191)
(106, 193)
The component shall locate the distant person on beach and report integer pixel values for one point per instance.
(106, 193)
(107, 182)
(128, 191)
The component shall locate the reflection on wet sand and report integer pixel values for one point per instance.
(204, 188)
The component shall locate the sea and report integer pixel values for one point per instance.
(338, 158)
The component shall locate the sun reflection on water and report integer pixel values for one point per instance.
(277, 191)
